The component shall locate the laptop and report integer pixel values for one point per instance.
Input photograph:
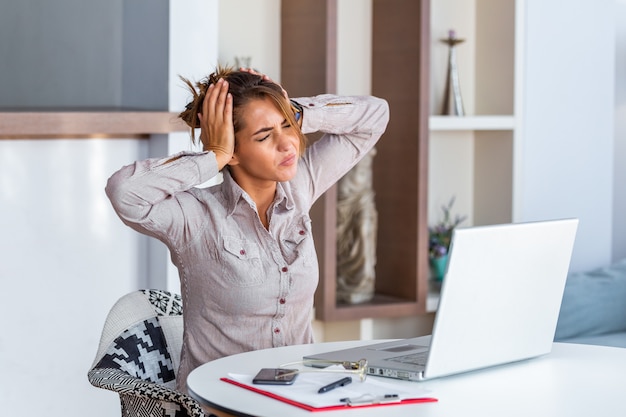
(499, 303)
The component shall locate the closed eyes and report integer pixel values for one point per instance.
(284, 125)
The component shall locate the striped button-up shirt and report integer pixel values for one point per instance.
(245, 287)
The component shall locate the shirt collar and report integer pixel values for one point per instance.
(283, 199)
(233, 193)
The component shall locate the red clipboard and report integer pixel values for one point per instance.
(328, 408)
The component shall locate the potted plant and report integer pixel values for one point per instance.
(439, 237)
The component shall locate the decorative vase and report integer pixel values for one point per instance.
(357, 227)
(452, 101)
(438, 267)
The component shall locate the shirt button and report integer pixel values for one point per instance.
(285, 269)
(282, 301)
(302, 232)
(242, 252)
(277, 330)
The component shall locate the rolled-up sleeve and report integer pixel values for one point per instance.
(141, 193)
(352, 125)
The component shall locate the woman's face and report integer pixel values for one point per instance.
(267, 146)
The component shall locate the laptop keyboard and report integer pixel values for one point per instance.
(413, 359)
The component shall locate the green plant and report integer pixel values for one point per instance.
(440, 234)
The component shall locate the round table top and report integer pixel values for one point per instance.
(573, 380)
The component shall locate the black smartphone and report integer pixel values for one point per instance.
(275, 376)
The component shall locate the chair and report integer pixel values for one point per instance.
(139, 354)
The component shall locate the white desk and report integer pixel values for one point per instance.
(574, 380)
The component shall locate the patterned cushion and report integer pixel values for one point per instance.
(135, 406)
(140, 398)
(172, 327)
(141, 351)
(134, 308)
(169, 307)
(165, 303)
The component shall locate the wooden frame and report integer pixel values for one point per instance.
(400, 74)
(64, 124)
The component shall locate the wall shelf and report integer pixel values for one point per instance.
(476, 123)
(63, 124)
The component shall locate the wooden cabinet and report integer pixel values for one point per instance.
(400, 75)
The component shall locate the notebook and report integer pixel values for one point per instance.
(499, 303)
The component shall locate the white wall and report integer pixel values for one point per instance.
(354, 47)
(251, 28)
(567, 143)
(65, 257)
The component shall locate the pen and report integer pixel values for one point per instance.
(386, 397)
(368, 399)
(336, 384)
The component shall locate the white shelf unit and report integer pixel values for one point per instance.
(471, 123)
(473, 158)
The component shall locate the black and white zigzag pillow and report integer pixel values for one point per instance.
(141, 351)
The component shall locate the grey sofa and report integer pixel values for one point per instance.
(593, 310)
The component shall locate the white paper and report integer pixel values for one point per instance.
(305, 388)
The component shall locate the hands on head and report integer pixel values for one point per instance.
(214, 102)
(216, 122)
(216, 118)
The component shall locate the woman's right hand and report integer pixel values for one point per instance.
(216, 122)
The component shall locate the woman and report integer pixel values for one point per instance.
(244, 248)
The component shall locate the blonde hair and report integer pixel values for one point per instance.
(244, 87)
